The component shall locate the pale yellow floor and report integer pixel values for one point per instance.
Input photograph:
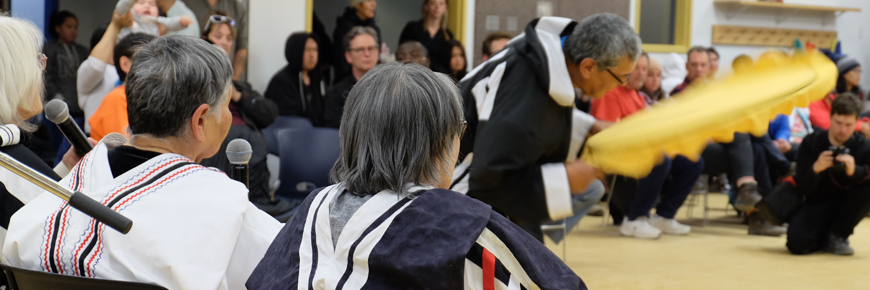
(718, 256)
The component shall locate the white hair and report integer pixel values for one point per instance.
(21, 77)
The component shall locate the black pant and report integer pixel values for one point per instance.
(733, 158)
(683, 174)
(837, 215)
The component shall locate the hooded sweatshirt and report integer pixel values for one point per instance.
(60, 73)
(343, 24)
(287, 88)
(673, 73)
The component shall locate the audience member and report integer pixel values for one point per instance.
(391, 175)
(458, 61)
(205, 11)
(360, 13)
(672, 180)
(820, 115)
(697, 66)
(432, 33)
(111, 115)
(652, 89)
(298, 89)
(251, 113)
(361, 52)
(177, 8)
(64, 57)
(493, 43)
(849, 74)
(525, 145)
(196, 229)
(147, 19)
(673, 72)
(413, 51)
(714, 62)
(97, 75)
(832, 174)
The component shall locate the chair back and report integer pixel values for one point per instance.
(21, 279)
(282, 122)
(307, 156)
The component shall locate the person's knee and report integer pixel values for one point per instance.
(801, 245)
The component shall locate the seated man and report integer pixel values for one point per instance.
(412, 51)
(389, 222)
(193, 227)
(362, 52)
(832, 174)
(672, 180)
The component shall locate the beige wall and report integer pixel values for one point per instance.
(526, 10)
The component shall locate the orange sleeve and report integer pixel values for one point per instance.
(110, 117)
(606, 108)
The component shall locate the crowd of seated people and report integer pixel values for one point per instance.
(517, 176)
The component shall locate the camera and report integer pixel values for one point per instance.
(837, 151)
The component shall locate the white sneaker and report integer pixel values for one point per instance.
(639, 228)
(669, 226)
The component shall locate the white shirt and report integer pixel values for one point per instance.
(193, 227)
(95, 79)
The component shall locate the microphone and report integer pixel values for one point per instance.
(58, 113)
(76, 199)
(239, 153)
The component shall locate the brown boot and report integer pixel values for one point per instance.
(760, 227)
(747, 196)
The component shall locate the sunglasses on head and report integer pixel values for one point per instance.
(216, 19)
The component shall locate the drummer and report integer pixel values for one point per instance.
(525, 134)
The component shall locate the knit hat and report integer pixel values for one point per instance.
(353, 3)
(845, 63)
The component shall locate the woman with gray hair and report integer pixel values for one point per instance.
(389, 222)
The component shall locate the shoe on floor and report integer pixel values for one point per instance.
(669, 226)
(597, 210)
(839, 246)
(639, 228)
(758, 226)
(747, 196)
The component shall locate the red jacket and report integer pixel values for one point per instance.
(820, 113)
(617, 104)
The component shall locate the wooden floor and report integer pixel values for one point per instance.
(717, 256)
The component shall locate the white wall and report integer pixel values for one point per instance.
(31, 10)
(270, 23)
(849, 27)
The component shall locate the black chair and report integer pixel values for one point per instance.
(21, 279)
(307, 156)
(282, 122)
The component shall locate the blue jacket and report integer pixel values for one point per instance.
(779, 128)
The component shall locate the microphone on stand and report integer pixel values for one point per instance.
(76, 199)
(239, 153)
(57, 112)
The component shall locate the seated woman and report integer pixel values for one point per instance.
(298, 89)
(389, 223)
(458, 61)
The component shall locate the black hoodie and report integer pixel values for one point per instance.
(288, 91)
(343, 24)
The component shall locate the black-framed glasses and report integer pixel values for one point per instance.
(462, 128)
(219, 19)
(617, 78)
(360, 50)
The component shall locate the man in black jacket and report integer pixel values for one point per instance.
(360, 13)
(524, 133)
(832, 174)
(361, 52)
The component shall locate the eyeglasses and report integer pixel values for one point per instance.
(219, 19)
(462, 128)
(364, 49)
(43, 60)
(617, 78)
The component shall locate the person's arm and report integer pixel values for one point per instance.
(779, 128)
(174, 23)
(260, 110)
(124, 6)
(407, 34)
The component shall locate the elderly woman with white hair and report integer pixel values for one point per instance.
(389, 222)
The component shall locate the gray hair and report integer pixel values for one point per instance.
(169, 79)
(605, 38)
(398, 127)
(21, 77)
(356, 31)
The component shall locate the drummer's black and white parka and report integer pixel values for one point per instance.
(523, 126)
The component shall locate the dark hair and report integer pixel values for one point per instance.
(487, 42)
(461, 73)
(712, 50)
(208, 29)
(846, 104)
(128, 46)
(697, 49)
(98, 35)
(841, 87)
(57, 19)
(171, 77)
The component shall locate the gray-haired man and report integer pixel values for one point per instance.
(525, 133)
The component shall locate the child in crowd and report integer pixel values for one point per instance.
(146, 18)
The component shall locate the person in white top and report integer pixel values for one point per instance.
(193, 227)
(97, 75)
(177, 8)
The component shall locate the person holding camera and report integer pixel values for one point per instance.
(832, 175)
